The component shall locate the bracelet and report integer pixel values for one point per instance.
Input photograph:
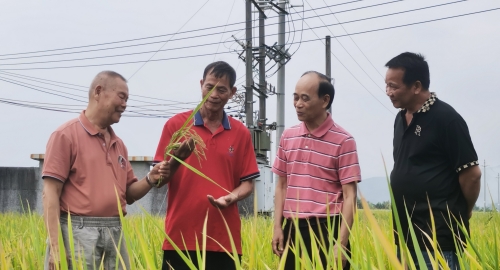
(149, 181)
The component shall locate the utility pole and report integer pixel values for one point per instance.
(280, 93)
(262, 72)
(329, 63)
(484, 179)
(248, 66)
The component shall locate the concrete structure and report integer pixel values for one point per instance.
(22, 187)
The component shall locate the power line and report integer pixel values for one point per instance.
(214, 43)
(364, 87)
(311, 28)
(348, 53)
(183, 38)
(224, 31)
(133, 74)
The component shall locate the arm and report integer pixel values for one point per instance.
(52, 189)
(279, 202)
(470, 183)
(182, 153)
(349, 192)
(239, 193)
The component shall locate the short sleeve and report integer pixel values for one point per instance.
(166, 135)
(249, 170)
(279, 165)
(348, 164)
(131, 178)
(459, 147)
(58, 159)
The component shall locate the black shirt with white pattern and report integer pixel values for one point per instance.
(428, 155)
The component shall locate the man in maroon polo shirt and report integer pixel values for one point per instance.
(86, 167)
(230, 161)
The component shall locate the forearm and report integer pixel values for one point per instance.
(51, 214)
(243, 190)
(279, 202)
(137, 190)
(348, 210)
(470, 184)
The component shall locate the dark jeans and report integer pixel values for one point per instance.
(214, 260)
(449, 256)
(317, 225)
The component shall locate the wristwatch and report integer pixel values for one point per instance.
(149, 181)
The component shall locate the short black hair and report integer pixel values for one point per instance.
(325, 86)
(221, 69)
(414, 66)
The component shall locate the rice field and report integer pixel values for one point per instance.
(23, 236)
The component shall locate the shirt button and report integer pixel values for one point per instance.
(309, 135)
(103, 144)
(307, 146)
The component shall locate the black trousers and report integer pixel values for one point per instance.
(214, 260)
(317, 225)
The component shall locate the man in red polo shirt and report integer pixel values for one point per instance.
(317, 167)
(230, 161)
(86, 167)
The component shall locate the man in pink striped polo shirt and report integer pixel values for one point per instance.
(318, 169)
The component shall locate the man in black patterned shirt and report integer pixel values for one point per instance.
(435, 164)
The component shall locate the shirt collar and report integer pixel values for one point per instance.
(91, 130)
(321, 130)
(427, 104)
(198, 120)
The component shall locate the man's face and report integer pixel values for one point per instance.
(114, 99)
(220, 96)
(400, 94)
(308, 105)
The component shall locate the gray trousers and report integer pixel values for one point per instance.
(96, 242)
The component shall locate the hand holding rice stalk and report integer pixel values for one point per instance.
(193, 141)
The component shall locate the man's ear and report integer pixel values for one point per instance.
(233, 91)
(201, 83)
(326, 100)
(417, 86)
(97, 91)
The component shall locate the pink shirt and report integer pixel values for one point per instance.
(78, 156)
(316, 165)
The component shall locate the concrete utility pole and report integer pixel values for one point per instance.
(262, 72)
(280, 93)
(248, 66)
(328, 58)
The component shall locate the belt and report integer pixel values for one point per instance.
(84, 221)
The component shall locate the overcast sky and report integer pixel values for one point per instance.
(462, 53)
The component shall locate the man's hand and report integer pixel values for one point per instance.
(338, 250)
(185, 150)
(223, 201)
(278, 241)
(161, 169)
(54, 260)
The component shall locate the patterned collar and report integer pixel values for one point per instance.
(427, 104)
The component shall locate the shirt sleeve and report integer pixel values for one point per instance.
(58, 159)
(166, 135)
(131, 178)
(459, 147)
(279, 165)
(348, 164)
(250, 170)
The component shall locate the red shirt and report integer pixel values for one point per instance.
(77, 155)
(230, 159)
(316, 165)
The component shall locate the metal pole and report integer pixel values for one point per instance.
(262, 71)
(328, 58)
(280, 93)
(248, 65)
